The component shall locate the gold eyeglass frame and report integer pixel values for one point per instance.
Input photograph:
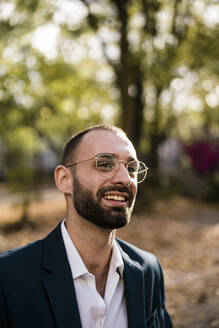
(96, 157)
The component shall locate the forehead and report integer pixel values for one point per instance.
(103, 141)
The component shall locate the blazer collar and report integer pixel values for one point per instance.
(134, 291)
(57, 280)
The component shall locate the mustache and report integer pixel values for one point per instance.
(102, 191)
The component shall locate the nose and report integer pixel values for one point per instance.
(122, 176)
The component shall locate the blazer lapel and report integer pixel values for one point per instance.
(58, 282)
(134, 292)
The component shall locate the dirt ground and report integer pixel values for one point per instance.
(183, 233)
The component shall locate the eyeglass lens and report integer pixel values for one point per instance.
(107, 165)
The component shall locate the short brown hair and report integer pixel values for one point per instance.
(74, 141)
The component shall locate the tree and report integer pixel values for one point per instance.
(42, 101)
(148, 36)
(147, 50)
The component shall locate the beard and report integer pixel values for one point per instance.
(93, 211)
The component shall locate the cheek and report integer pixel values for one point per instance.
(92, 180)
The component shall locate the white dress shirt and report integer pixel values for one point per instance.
(96, 312)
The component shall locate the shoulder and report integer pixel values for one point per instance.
(147, 260)
(153, 282)
(19, 259)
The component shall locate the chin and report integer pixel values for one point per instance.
(118, 218)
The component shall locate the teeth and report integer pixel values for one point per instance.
(115, 197)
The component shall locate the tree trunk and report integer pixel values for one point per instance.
(157, 134)
(130, 82)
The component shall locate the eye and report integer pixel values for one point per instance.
(105, 165)
(132, 167)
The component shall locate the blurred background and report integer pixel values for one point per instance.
(148, 66)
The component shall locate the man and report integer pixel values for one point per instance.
(80, 275)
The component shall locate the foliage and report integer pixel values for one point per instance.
(159, 52)
(203, 180)
(204, 156)
(148, 66)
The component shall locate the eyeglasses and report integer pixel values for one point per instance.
(107, 165)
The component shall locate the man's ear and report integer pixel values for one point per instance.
(63, 179)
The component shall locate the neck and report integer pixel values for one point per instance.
(94, 244)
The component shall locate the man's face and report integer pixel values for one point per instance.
(90, 207)
(107, 203)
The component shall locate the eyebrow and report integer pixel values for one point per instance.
(105, 154)
(130, 158)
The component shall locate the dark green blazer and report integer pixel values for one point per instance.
(37, 290)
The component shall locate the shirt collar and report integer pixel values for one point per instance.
(77, 265)
(116, 262)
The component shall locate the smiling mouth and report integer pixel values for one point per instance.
(116, 198)
(120, 196)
